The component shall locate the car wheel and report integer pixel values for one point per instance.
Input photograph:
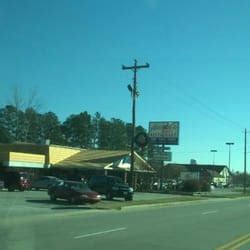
(52, 197)
(109, 196)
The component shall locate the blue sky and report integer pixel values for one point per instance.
(71, 53)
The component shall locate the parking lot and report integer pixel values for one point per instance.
(27, 203)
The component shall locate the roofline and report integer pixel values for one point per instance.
(201, 165)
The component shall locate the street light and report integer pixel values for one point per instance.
(213, 151)
(229, 153)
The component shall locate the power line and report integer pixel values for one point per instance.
(184, 95)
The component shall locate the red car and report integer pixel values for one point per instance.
(74, 192)
(16, 180)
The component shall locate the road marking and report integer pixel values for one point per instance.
(235, 244)
(210, 212)
(102, 232)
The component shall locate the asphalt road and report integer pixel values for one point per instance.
(38, 203)
(194, 225)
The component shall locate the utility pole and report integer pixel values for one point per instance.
(229, 153)
(134, 94)
(245, 160)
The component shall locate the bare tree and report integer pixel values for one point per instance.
(20, 102)
(23, 106)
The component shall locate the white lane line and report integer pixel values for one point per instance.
(102, 232)
(210, 212)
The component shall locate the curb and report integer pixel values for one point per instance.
(180, 203)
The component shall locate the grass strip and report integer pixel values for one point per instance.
(118, 204)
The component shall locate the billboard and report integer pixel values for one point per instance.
(164, 132)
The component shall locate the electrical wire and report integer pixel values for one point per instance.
(186, 97)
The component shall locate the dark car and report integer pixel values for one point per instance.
(111, 186)
(44, 182)
(16, 180)
(73, 191)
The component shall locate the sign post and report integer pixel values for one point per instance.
(162, 134)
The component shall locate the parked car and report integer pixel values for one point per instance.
(73, 191)
(111, 186)
(44, 182)
(16, 180)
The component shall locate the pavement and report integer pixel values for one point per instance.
(38, 202)
(30, 221)
(25, 203)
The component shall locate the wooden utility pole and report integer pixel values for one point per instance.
(134, 94)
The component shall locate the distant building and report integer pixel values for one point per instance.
(217, 174)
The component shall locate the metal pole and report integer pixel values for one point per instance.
(245, 160)
(134, 93)
(213, 151)
(229, 153)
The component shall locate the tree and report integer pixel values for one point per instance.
(77, 130)
(51, 128)
(21, 124)
(104, 140)
(118, 134)
(11, 121)
(32, 126)
(112, 134)
(95, 130)
(4, 135)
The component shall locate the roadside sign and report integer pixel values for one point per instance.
(141, 139)
(162, 156)
(164, 132)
